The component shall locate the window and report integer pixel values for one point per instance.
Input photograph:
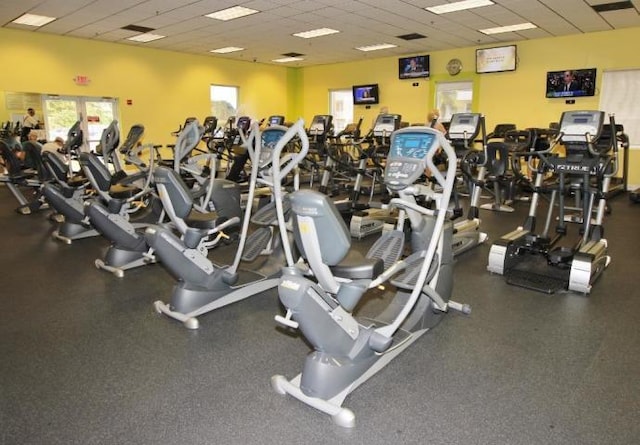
(453, 97)
(341, 105)
(224, 102)
(620, 96)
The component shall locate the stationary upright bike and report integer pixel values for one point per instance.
(348, 350)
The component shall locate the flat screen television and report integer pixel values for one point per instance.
(366, 94)
(571, 83)
(496, 60)
(413, 67)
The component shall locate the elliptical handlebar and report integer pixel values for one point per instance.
(249, 140)
(296, 129)
(383, 334)
(187, 140)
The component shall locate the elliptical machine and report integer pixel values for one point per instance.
(535, 260)
(464, 128)
(204, 286)
(349, 350)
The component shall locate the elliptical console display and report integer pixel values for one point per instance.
(407, 158)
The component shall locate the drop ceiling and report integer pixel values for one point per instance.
(268, 35)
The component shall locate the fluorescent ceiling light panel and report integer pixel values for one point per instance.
(147, 37)
(232, 13)
(376, 47)
(510, 28)
(287, 59)
(226, 50)
(316, 33)
(459, 6)
(33, 20)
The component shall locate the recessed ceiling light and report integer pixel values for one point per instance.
(226, 49)
(147, 37)
(458, 6)
(510, 28)
(33, 20)
(287, 59)
(376, 47)
(232, 13)
(316, 33)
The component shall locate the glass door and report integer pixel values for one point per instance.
(61, 112)
(98, 113)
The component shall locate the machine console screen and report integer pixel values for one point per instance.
(318, 125)
(270, 138)
(412, 145)
(385, 124)
(575, 125)
(464, 126)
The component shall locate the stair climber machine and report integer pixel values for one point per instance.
(109, 214)
(539, 262)
(464, 128)
(348, 350)
(203, 285)
(371, 218)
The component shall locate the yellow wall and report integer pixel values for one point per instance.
(516, 97)
(165, 87)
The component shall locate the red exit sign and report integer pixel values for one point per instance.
(82, 80)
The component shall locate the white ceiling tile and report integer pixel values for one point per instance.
(267, 34)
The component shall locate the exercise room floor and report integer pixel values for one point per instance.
(84, 359)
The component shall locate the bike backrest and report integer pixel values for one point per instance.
(97, 169)
(134, 137)
(333, 235)
(33, 152)
(177, 192)
(11, 162)
(109, 140)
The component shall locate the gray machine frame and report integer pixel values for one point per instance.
(349, 350)
(220, 288)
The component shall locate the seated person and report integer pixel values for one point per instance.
(24, 155)
(55, 146)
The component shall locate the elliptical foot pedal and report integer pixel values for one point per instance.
(409, 277)
(267, 215)
(388, 248)
(256, 243)
(533, 281)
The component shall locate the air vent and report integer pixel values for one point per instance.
(412, 36)
(137, 28)
(292, 54)
(614, 6)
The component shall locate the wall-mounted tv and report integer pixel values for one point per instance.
(366, 94)
(496, 60)
(413, 67)
(571, 83)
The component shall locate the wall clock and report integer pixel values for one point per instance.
(454, 66)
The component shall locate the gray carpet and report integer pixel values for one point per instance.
(84, 359)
